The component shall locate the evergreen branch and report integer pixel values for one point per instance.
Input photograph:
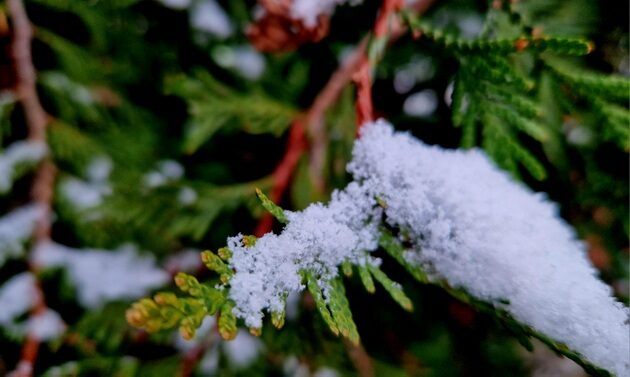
(214, 106)
(389, 242)
(314, 117)
(42, 188)
(281, 176)
(558, 45)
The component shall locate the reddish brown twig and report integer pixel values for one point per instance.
(385, 25)
(342, 77)
(314, 117)
(362, 80)
(296, 145)
(42, 189)
(193, 356)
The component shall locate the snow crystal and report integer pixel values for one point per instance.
(16, 228)
(46, 325)
(244, 59)
(318, 240)
(209, 17)
(242, 350)
(17, 296)
(102, 275)
(15, 155)
(471, 225)
(309, 10)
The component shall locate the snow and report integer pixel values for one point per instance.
(469, 223)
(17, 296)
(308, 10)
(243, 350)
(421, 104)
(82, 194)
(187, 196)
(419, 69)
(292, 367)
(208, 16)
(318, 239)
(18, 154)
(99, 169)
(16, 227)
(188, 260)
(244, 59)
(201, 334)
(176, 4)
(209, 363)
(46, 325)
(87, 194)
(326, 372)
(167, 171)
(103, 275)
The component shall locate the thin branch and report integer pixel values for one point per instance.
(314, 122)
(42, 189)
(360, 359)
(328, 96)
(296, 145)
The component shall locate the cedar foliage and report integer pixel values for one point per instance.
(542, 89)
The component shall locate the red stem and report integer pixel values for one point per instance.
(296, 145)
(357, 68)
(42, 189)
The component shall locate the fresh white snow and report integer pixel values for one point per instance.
(471, 225)
(15, 155)
(176, 4)
(243, 350)
(167, 171)
(208, 16)
(309, 10)
(421, 104)
(244, 59)
(101, 276)
(17, 296)
(89, 193)
(16, 227)
(46, 325)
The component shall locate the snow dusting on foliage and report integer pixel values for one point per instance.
(101, 276)
(17, 296)
(46, 325)
(309, 10)
(474, 226)
(16, 227)
(470, 224)
(17, 155)
(87, 194)
(209, 17)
